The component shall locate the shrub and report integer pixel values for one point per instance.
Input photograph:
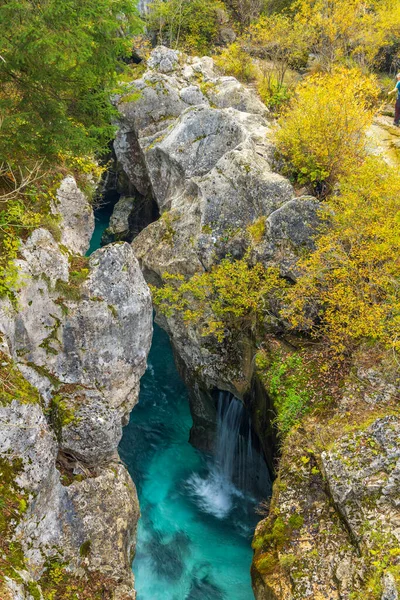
(272, 93)
(235, 61)
(286, 381)
(321, 135)
(232, 297)
(352, 279)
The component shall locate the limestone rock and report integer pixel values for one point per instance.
(204, 143)
(59, 519)
(77, 219)
(118, 228)
(363, 474)
(390, 591)
(163, 59)
(80, 334)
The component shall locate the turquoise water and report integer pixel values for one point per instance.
(195, 530)
(102, 220)
(193, 537)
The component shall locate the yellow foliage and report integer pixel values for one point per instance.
(352, 280)
(235, 61)
(331, 27)
(321, 134)
(233, 296)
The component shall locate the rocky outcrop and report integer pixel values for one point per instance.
(201, 143)
(78, 332)
(119, 226)
(332, 531)
(76, 216)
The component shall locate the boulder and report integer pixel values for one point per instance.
(76, 214)
(118, 229)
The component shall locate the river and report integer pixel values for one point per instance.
(195, 531)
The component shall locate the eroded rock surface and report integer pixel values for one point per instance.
(77, 219)
(332, 531)
(201, 143)
(78, 332)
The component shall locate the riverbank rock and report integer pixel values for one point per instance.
(76, 216)
(118, 229)
(74, 347)
(332, 531)
(201, 142)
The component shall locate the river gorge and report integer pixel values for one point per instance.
(134, 454)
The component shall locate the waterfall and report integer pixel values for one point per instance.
(238, 468)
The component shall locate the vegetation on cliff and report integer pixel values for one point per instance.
(346, 291)
(59, 63)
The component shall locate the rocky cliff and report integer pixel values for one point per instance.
(199, 143)
(74, 344)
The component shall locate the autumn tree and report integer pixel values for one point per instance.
(321, 135)
(191, 24)
(352, 280)
(233, 296)
(281, 44)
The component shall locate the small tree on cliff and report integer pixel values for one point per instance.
(321, 135)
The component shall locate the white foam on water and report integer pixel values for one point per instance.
(214, 494)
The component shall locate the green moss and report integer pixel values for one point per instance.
(287, 561)
(113, 310)
(52, 338)
(45, 373)
(13, 504)
(257, 230)
(58, 583)
(154, 143)
(132, 97)
(170, 232)
(266, 563)
(60, 413)
(71, 290)
(287, 382)
(85, 548)
(33, 589)
(295, 521)
(13, 386)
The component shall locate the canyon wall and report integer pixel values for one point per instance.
(74, 343)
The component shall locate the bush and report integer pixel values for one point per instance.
(286, 379)
(236, 62)
(352, 279)
(321, 135)
(273, 94)
(232, 297)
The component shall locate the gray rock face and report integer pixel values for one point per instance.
(59, 518)
(80, 334)
(204, 143)
(363, 474)
(118, 228)
(77, 219)
(389, 588)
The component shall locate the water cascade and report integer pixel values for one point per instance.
(238, 468)
(198, 512)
